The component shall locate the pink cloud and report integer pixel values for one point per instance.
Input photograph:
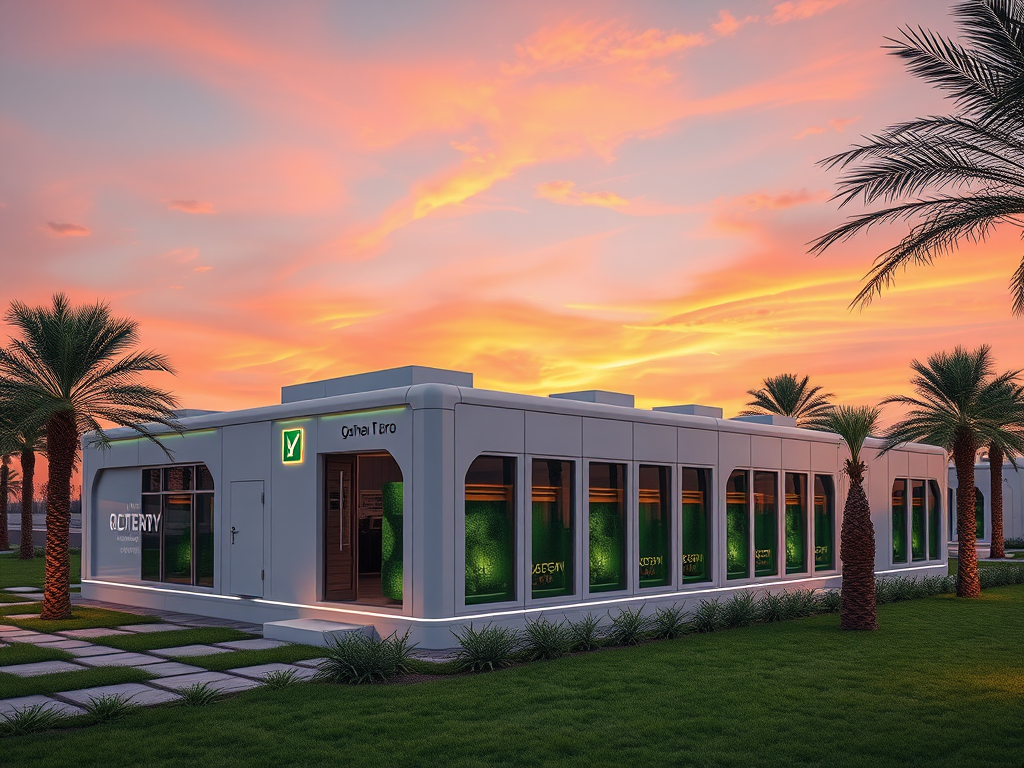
(190, 206)
(837, 125)
(795, 10)
(727, 24)
(68, 230)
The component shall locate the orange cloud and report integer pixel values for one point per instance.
(190, 206)
(761, 201)
(795, 10)
(68, 230)
(565, 192)
(727, 24)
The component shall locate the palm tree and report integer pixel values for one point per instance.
(956, 177)
(788, 395)
(857, 536)
(997, 452)
(960, 405)
(5, 490)
(29, 441)
(74, 368)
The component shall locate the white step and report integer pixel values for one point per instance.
(312, 631)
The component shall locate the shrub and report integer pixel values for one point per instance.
(629, 627)
(800, 603)
(355, 658)
(1016, 543)
(830, 600)
(668, 623)
(739, 611)
(198, 695)
(545, 639)
(709, 616)
(489, 648)
(585, 634)
(1001, 575)
(771, 607)
(109, 707)
(32, 719)
(280, 678)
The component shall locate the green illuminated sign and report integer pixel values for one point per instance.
(291, 446)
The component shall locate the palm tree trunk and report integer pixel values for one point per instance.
(995, 466)
(61, 444)
(5, 475)
(967, 581)
(28, 487)
(857, 552)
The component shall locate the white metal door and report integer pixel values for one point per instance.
(247, 538)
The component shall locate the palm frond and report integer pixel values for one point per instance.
(854, 424)
(789, 395)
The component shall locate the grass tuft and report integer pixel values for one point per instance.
(543, 639)
(198, 695)
(355, 658)
(486, 649)
(709, 616)
(668, 623)
(281, 678)
(31, 719)
(585, 634)
(629, 627)
(109, 707)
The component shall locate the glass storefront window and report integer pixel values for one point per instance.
(796, 523)
(554, 504)
(766, 524)
(917, 520)
(979, 514)
(934, 518)
(179, 549)
(607, 527)
(737, 525)
(824, 523)
(490, 530)
(696, 485)
(899, 521)
(655, 512)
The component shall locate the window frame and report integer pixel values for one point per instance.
(193, 492)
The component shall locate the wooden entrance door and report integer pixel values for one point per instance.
(340, 538)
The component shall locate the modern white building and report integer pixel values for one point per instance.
(1013, 503)
(407, 499)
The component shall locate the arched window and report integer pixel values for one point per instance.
(979, 514)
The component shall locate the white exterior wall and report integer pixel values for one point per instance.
(1013, 499)
(441, 429)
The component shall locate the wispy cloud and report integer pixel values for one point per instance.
(727, 24)
(565, 192)
(68, 230)
(836, 125)
(191, 206)
(795, 10)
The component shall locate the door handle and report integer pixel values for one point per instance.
(233, 532)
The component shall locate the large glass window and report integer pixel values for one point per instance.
(737, 525)
(655, 511)
(917, 520)
(607, 527)
(824, 523)
(696, 548)
(554, 491)
(796, 523)
(934, 512)
(490, 530)
(979, 514)
(177, 528)
(766, 524)
(899, 521)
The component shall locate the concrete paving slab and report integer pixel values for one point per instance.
(16, 616)
(121, 659)
(255, 644)
(172, 668)
(90, 650)
(68, 645)
(218, 681)
(190, 650)
(41, 638)
(40, 668)
(260, 671)
(10, 629)
(17, 637)
(10, 706)
(21, 589)
(135, 693)
(160, 627)
(81, 634)
(310, 663)
(32, 596)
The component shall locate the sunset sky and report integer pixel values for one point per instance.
(553, 195)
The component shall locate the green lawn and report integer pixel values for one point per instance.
(939, 685)
(175, 638)
(29, 573)
(81, 618)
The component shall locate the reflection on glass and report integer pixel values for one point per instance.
(934, 518)
(151, 539)
(796, 523)
(204, 480)
(553, 496)
(917, 523)
(204, 539)
(766, 524)
(737, 529)
(696, 514)
(178, 479)
(490, 530)
(655, 522)
(177, 523)
(979, 514)
(899, 521)
(824, 523)
(607, 527)
(151, 481)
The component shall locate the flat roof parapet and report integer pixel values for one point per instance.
(692, 409)
(597, 396)
(390, 378)
(773, 419)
